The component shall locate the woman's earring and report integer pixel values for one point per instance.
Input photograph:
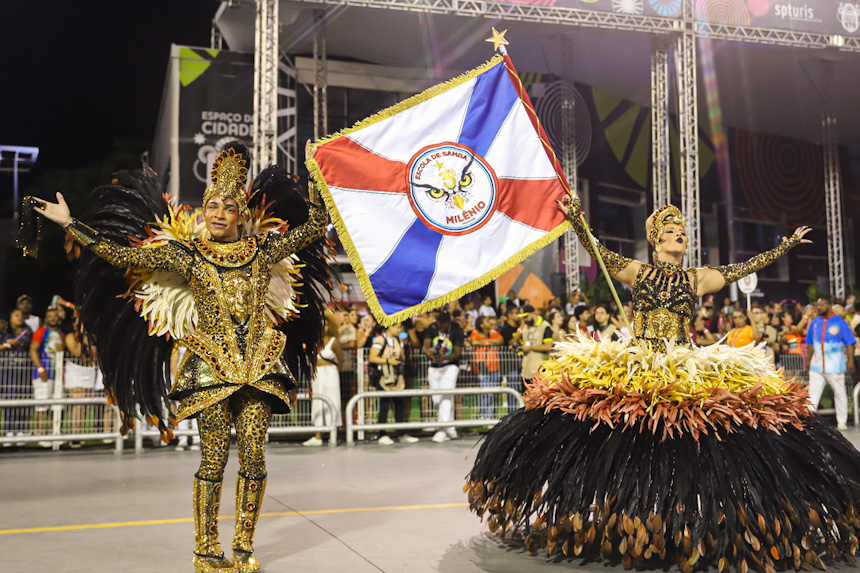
(657, 248)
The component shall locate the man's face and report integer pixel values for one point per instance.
(222, 219)
(493, 323)
(25, 305)
(52, 318)
(739, 318)
(513, 317)
(758, 315)
(822, 306)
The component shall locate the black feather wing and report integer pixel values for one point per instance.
(136, 366)
(278, 190)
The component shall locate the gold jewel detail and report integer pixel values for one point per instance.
(659, 219)
(229, 177)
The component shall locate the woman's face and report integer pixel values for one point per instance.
(571, 323)
(394, 330)
(583, 318)
(601, 316)
(674, 239)
(556, 320)
(17, 318)
(699, 324)
(353, 317)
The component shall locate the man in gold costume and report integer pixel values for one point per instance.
(233, 373)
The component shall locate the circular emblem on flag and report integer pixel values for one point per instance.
(834, 330)
(452, 189)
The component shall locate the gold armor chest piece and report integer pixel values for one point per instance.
(663, 301)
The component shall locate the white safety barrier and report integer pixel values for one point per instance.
(277, 427)
(352, 427)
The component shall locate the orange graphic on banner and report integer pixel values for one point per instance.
(533, 289)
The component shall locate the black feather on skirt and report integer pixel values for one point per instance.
(752, 498)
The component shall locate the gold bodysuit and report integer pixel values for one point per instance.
(664, 294)
(235, 344)
(663, 302)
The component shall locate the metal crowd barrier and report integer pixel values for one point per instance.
(279, 426)
(62, 418)
(351, 426)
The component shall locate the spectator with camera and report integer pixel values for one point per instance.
(387, 360)
(443, 345)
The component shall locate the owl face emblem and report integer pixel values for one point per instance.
(451, 189)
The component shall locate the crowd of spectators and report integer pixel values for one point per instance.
(487, 344)
(475, 341)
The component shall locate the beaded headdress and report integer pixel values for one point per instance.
(660, 218)
(229, 177)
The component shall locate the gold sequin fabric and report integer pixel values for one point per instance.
(613, 261)
(737, 271)
(663, 302)
(251, 412)
(234, 337)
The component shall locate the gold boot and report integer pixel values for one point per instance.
(208, 557)
(249, 497)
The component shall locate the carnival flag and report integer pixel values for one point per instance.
(438, 195)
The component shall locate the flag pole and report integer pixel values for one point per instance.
(499, 42)
(606, 274)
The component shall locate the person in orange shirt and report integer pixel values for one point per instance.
(744, 332)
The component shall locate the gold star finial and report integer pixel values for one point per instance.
(498, 39)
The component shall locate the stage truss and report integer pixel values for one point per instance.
(681, 34)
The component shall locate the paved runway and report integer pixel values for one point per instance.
(367, 509)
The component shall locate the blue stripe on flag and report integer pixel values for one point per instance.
(403, 279)
(491, 102)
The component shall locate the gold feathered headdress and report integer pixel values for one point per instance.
(660, 218)
(229, 178)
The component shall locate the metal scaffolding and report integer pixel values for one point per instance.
(606, 20)
(661, 157)
(683, 32)
(287, 116)
(688, 137)
(320, 75)
(265, 86)
(832, 186)
(568, 157)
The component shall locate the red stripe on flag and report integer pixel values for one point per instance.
(532, 202)
(530, 111)
(344, 163)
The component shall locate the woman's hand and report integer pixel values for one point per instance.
(564, 205)
(57, 212)
(800, 232)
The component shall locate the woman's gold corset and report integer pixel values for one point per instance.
(663, 297)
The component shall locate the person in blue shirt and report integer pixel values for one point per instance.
(830, 354)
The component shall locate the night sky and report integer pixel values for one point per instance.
(79, 75)
(81, 80)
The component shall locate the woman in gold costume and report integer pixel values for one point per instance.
(657, 450)
(233, 372)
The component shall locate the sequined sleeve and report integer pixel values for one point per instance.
(169, 257)
(280, 245)
(736, 271)
(613, 261)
